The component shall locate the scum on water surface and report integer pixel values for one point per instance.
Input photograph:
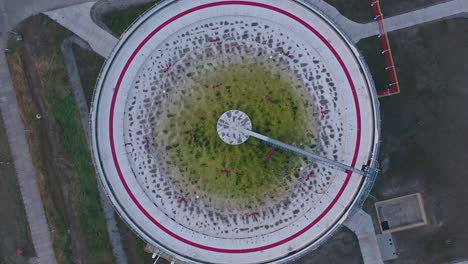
(247, 175)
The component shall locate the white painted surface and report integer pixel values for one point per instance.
(343, 116)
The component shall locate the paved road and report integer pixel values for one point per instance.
(12, 12)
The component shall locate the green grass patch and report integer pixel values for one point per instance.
(276, 107)
(89, 65)
(85, 194)
(118, 21)
(73, 147)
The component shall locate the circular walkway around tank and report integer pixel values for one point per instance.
(148, 62)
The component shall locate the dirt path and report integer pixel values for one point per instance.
(54, 162)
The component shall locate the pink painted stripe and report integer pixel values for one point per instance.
(114, 154)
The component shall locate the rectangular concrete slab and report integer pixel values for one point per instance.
(401, 213)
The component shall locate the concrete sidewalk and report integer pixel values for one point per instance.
(11, 12)
(357, 31)
(361, 224)
(100, 40)
(40, 233)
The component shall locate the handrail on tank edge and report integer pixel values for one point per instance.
(369, 181)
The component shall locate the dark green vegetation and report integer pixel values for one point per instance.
(63, 157)
(14, 231)
(361, 11)
(118, 21)
(89, 65)
(275, 107)
(85, 196)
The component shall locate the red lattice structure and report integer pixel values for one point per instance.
(394, 86)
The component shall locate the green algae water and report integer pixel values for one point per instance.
(246, 175)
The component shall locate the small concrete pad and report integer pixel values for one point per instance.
(401, 213)
(361, 225)
(387, 247)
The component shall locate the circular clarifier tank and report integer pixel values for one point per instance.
(165, 144)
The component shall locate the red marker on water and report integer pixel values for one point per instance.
(216, 86)
(167, 68)
(190, 135)
(310, 174)
(286, 54)
(147, 142)
(254, 214)
(322, 112)
(269, 99)
(183, 199)
(214, 40)
(270, 153)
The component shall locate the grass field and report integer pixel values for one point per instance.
(89, 65)
(74, 152)
(118, 21)
(49, 195)
(84, 186)
(275, 107)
